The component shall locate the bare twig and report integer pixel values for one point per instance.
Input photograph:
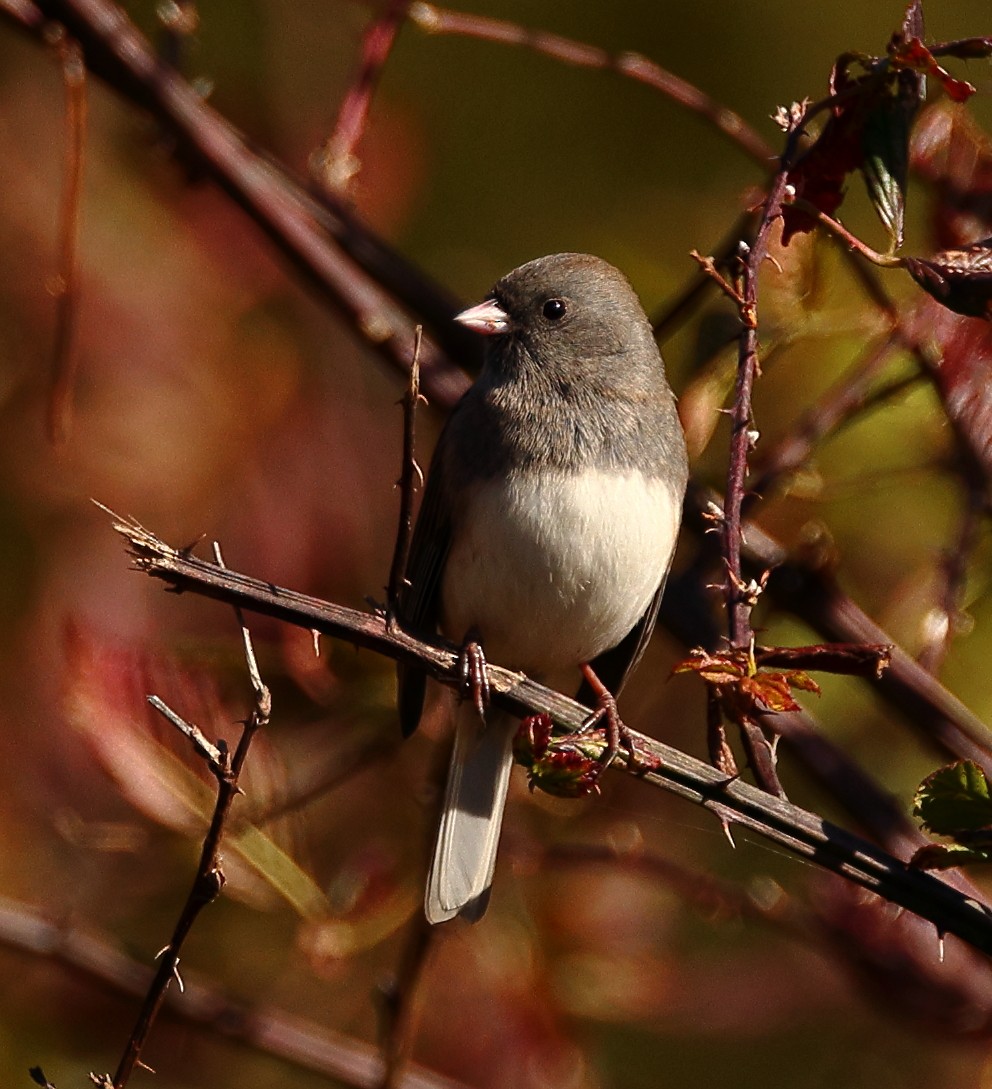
(708, 266)
(668, 317)
(438, 20)
(883, 260)
(336, 163)
(65, 284)
(204, 746)
(409, 479)
(207, 883)
(852, 659)
(735, 801)
(738, 602)
(209, 878)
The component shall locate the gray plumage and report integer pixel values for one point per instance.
(548, 523)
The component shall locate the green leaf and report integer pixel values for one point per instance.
(956, 801)
(885, 142)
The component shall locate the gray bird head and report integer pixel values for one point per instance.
(569, 316)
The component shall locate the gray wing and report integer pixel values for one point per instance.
(615, 665)
(420, 601)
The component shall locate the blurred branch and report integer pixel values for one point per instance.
(800, 832)
(270, 1031)
(336, 163)
(946, 617)
(23, 12)
(324, 241)
(65, 284)
(438, 20)
(399, 1001)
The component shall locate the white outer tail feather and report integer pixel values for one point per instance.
(461, 871)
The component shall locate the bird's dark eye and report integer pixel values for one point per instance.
(554, 309)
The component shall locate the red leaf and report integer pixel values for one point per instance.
(820, 174)
(964, 373)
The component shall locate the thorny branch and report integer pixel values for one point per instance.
(209, 878)
(410, 477)
(732, 801)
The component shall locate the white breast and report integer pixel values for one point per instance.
(553, 569)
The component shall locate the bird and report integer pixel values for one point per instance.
(549, 519)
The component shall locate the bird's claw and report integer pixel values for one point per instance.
(606, 715)
(474, 674)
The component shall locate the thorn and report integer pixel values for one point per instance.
(727, 832)
(316, 642)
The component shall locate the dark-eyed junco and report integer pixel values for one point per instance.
(547, 527)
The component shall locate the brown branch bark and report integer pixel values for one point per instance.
(733, 801)
(209, 878)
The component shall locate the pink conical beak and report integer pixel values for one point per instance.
(487, 318)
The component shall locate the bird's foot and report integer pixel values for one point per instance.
(608, 717)
(474, 673)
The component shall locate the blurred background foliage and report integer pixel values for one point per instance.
(216, 398)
